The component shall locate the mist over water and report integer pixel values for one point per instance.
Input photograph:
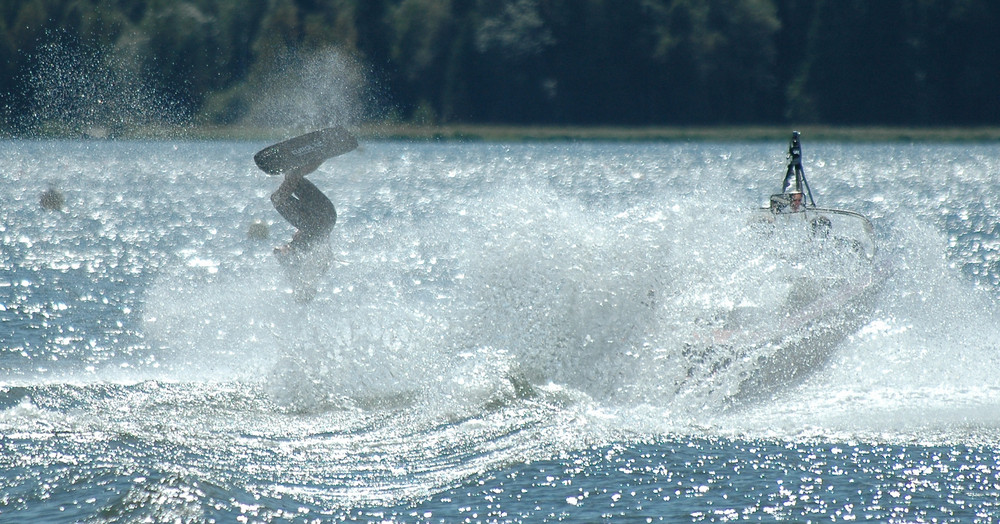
(489, 305)
(311, 90)
(76, 88)
(80, 89)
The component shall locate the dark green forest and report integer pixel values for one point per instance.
(71, 65)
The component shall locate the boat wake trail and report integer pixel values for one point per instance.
(510, 295)
(921, 370)
(672, 308)
(487, 306)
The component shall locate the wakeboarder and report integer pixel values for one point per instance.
(303, 205)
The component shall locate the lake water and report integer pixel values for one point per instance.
(495, 341)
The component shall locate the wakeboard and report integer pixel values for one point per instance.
(305, 151)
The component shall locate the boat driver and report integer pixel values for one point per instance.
(787, 202)
(796, 202)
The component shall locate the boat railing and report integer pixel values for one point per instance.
(822, 222)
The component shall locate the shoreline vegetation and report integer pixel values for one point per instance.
(545, 133)
(559, 62)
(508, 133)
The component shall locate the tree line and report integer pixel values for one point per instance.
(67, 63)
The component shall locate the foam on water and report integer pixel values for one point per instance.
(456, 290)
(489, 304)
(923, 369)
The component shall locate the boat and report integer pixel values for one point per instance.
(795, 206)
(819, 272)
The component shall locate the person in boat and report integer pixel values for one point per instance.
(787, 202)
(313, 215)
(820, 227)
(796, 201)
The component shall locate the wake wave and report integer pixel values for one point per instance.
(542, 291)
(457, 299)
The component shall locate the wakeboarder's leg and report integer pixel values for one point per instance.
(280, 197)
(306, 208)
(284, 201)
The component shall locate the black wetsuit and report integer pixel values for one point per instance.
(307, 209)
